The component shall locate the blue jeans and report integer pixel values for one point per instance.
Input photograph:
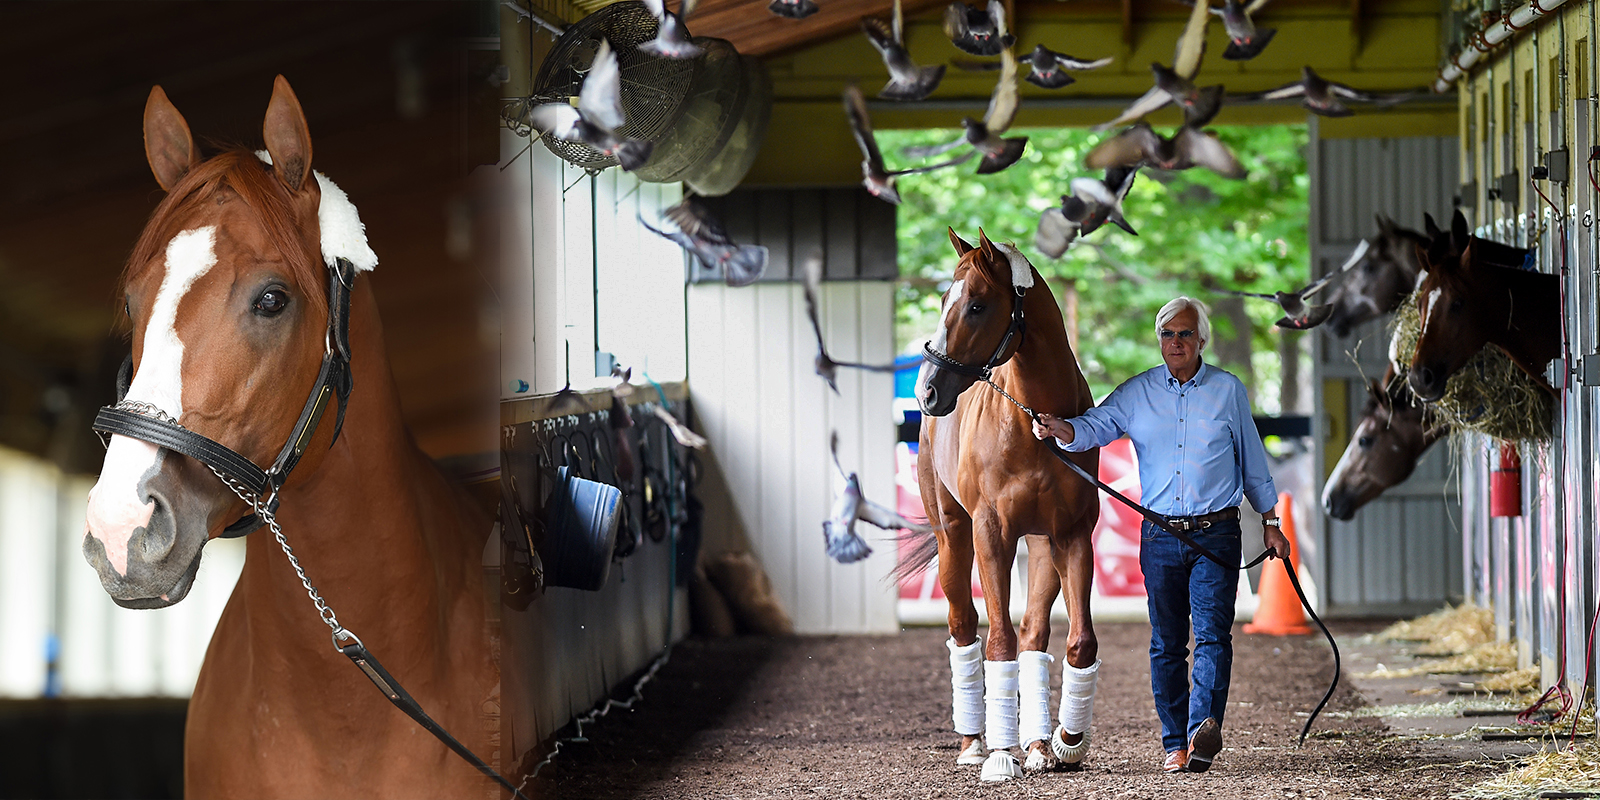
(1180, 582)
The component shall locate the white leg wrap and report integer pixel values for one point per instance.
(1034, 683)
(966, 683)
(1077, 696)
(1000, 704)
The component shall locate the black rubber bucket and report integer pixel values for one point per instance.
(581, 532)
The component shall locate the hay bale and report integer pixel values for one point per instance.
(1517, 681)
(1490, 657)
(1490, 394)
(1575, 770)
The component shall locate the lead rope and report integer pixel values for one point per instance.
(1161, 522)
(353, 647)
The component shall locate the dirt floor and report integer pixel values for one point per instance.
(869, 717)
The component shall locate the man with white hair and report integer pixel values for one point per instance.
(1199, 455)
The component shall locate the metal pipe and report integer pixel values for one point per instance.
(1482, 42)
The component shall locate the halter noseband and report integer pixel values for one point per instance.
(1015, 330)
(147, 423)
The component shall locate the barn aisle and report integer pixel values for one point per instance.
(845, 717)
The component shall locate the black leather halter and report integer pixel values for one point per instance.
(1015, 330)
(147, 423)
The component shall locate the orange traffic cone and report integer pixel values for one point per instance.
(1279, 612)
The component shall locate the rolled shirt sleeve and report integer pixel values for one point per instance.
(1100, 425)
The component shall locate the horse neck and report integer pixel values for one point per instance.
(1532, 332)
(1043, 374)
(371, 524)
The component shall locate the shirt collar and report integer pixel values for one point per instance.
(1172, 382)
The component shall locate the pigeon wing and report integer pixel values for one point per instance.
(1068, 62)
(955, 21)
(930, 150)
(1003, 104)
(1054, 233)
(696, 221)
(1152, 100)
(1192, 45)
(1126, 149)
(878, 33)
(899, 27)
(557, 119)
(1284, 92)
(686, 8)
(961, 159)
(600, 99)
(1349, 93)
(855, 107)
(1208, 151)
(1255, 6)
(888, 519)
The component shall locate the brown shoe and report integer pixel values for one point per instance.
(1205, 745)
(1177, 761)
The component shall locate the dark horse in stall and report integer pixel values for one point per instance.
(1394, 431)
(227, 295)
(1382, 278)
(1472, 297)
(987, 482)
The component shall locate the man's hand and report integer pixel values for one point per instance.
(1047, 426)
(1273, 539)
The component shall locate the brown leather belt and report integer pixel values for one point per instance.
(1204, 520)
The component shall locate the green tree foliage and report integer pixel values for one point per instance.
(1198, 232)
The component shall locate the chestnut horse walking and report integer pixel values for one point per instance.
(1469, 299)
(988, 482)
(227, 293)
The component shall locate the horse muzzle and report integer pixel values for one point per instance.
(937, 390)
(1427, 382)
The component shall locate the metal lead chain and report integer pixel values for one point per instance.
(263, 510)
(1030, 412)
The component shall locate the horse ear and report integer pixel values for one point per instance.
(988, 248)
(168, 145)
(1376, 392)
(286, 135)
(1459, 233)
(961, 246)
(1430, 227)
(1385, 225)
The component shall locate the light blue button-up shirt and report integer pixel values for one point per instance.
(1197, 443)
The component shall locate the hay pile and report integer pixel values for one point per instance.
(1488, 657)
(1448, 631)
(1517, 681)
(1575, 770)
(1489, 394)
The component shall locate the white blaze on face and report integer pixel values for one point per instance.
(116, 509)
(941, 338)
(1427, 314)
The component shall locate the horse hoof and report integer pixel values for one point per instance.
(1000, 766)
(974, 755)
(1069, 753)
(1039, 760)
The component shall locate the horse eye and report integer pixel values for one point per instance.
(272, 302)
(127, 308)
(1455, 305)
(1365, 442)
(975, 308)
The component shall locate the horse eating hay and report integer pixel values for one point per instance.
(1394, 431)
(987, 482)
(228, 294)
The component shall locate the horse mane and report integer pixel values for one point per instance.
(254, 181)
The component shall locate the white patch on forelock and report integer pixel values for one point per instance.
(1021, 270)
(1427, 315)
(115, 508)
(941, 339)
(343, 234)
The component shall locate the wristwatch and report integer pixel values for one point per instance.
(1276, 522)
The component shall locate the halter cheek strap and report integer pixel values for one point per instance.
(1015, 331)
(142, 421)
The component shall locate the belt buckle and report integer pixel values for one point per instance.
(1182, 523)
(1205, 524)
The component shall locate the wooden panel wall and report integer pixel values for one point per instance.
(769, 416)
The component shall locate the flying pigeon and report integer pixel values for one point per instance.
(907, 81)
(624, 378)
(1296, 314)
(1047, 68)
(793, 9)
(825, 365)
(565, 401)
(672, 38)
(621, 445)
(680, 431)
(985, 137)
(1176, 84)
(1140, 145)
(1245, 40)
(878, 180)
(598, 115)
(1091, 204)
(1323, 97)
(839, 530)
(980, 32)
(703, 236)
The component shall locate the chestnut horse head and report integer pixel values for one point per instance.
(226, 294)
(981, 325)
(1474, 294)
(1394, 431)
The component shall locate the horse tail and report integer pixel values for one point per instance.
(924, 548)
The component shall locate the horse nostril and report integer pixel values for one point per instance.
(1426, 375)
(931, 395)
